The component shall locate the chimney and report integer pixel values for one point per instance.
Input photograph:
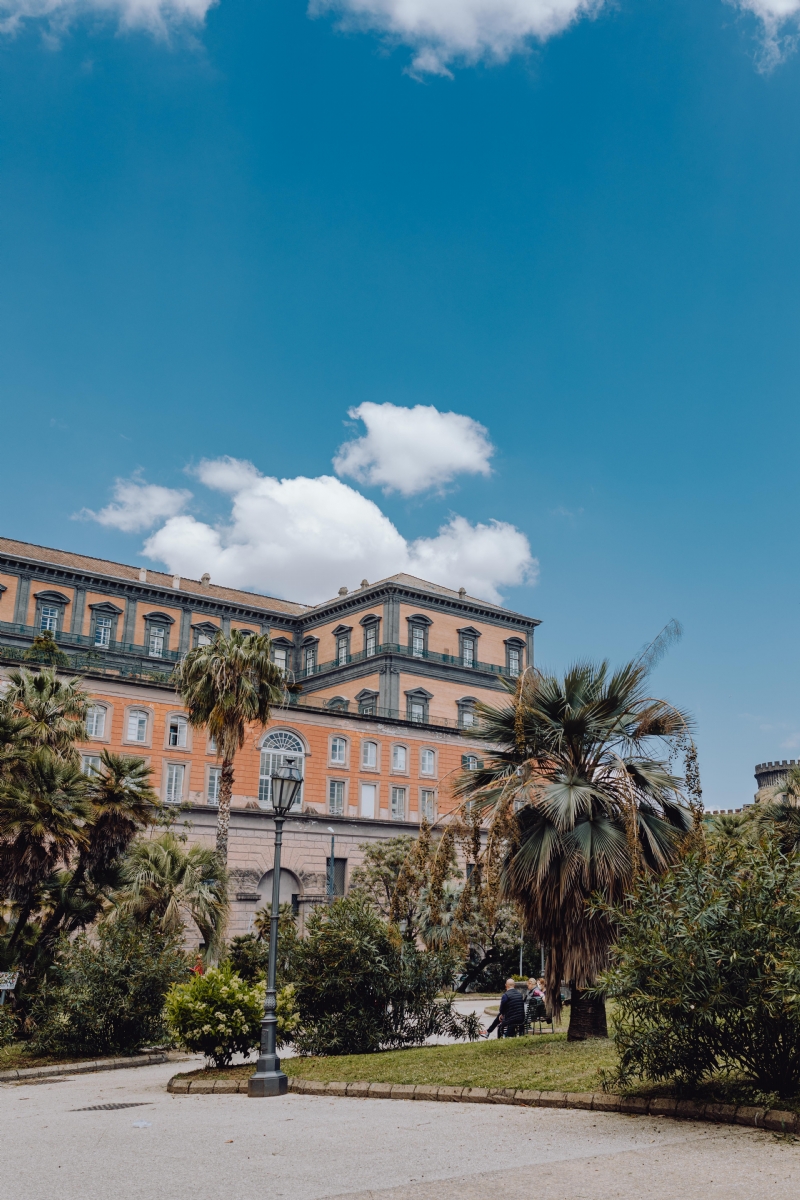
(176, 581)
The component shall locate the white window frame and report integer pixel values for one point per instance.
(366, 765)
(417, 641)
(468, 651)
(398, 796)
(280, 657)
(376, 801)
(371, 641)
(338, 751)
(139, 713)
(514, 661)
(94, 711)
(336, 797)
(427, 804)
(48, 618)
(174, 773)
(399, 752)
(342, 650)
(213, 784)
(427, 750)
(277, 747)
(211, 745)
(102, 631)
(156, 641)
(181, 724)
(90, 764)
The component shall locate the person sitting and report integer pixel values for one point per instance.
(512, 1011)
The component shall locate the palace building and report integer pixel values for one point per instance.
(388, 676)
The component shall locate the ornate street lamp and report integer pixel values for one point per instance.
(269, 1079)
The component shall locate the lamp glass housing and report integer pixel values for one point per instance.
(286, 783)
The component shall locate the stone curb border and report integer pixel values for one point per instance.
(81, 1068)
(775, 1119)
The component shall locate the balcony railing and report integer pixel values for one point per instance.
(83, 641)
(453, 660)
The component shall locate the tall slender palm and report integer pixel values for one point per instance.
(225, 687)
(43, 821)
(162, 879)
(55, 708)
(571, 782)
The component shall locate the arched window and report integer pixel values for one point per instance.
(136, 726)
(277, 749)
(96, 721)
(369, 755)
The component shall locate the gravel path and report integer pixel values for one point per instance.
(304, 1147)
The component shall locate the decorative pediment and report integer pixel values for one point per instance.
(160, 618)
(341, 630)
(419, 619)
(419, 694)
(106, 608)
(52, 597)
(470, 631)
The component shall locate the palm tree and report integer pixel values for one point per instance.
(226, 686)
(122, 803)
(55, 708)
(571, 785)
(163, 880)
(44, 812)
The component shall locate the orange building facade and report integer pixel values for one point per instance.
(388, 676)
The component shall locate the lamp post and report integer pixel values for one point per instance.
(269, 1079)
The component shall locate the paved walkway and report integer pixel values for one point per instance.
(304, 1147)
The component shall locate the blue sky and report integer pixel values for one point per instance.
(219, 237)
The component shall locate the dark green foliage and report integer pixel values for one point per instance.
(107, 995)
(248, 956)
(706, 972)
(45, 649)
(361, 987)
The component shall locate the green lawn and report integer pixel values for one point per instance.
(17, 1055)
(543, 1062)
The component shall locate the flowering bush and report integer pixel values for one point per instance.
(220, 1014)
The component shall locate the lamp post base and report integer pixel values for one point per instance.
(269, 1079)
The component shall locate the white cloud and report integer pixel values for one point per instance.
(304, 538)
(443, 31)
(410, 450)
(157, 16)
(138, 506)
(779, 20)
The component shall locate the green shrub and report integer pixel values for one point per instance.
(249, 957)
(706, 972)
(8, 1025)
(361, 987)
(219, 1014)
(106, 995)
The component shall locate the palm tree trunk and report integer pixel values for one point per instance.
(587, 1016)
(224, 813)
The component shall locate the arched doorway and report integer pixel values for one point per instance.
(290, 888)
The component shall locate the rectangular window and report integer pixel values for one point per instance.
(211, 746)
(155, 641)
(369, 754)
(513, 661)
(270, 761)
(366, 708)
(214, 781)
(399, 758)
(102, 631)
(341, 651)
(471, 762)
(177, 732)
(371, 641)
(468, 651)
(203, 640)
(369, 796)
(417, 641)
(467, 718)
(49, 618)
(427, 804)
(339, 871)
(175, 776)
(96, 721)
(311, 659)
(279, 657)
(427, 763)
(336, 797)
(90, 764)
(398, 811)
(338, 750)
(416, 712)
(137, 726)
